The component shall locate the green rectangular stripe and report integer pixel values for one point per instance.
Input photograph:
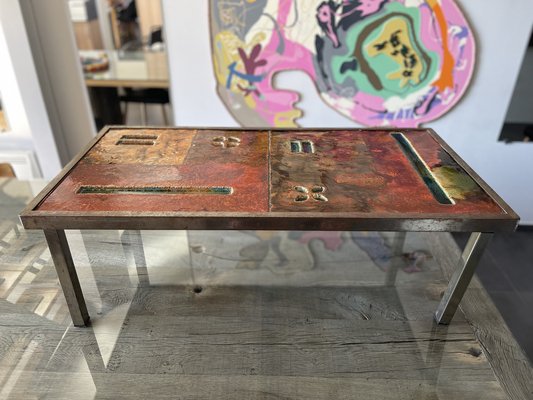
(423, 171)
(221, 190)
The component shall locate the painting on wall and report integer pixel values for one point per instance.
(377, 62)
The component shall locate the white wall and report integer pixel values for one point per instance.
(521, 108)
(472, 128)
(51, 37)
(192, 80)
(21, 94)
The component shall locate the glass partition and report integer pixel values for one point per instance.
(122, 52)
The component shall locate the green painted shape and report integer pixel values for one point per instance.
(382, 64)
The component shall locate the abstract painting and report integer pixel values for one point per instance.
(377, 62)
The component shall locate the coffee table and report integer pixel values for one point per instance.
(147, 178)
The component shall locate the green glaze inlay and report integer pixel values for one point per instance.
(223, 190)
(436, 189)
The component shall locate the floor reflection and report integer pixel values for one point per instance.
(234, 315)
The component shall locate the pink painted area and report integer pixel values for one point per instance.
(274, 101)
(368, 7)
(462, 49)
(332, 240)
(429, 31)
(325, 15)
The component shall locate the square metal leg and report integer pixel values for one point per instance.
(396, 262)
(58, 245)
(132, 244)
(461, 278)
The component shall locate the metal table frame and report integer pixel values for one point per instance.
(54, 224)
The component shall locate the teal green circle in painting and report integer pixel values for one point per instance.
(383, 65)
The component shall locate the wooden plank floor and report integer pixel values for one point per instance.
(506, 271)
(244, 315)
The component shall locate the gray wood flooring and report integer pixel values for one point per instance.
(245, 315)
(506, 271)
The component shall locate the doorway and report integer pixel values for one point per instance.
(123, 57)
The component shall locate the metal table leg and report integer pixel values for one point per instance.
(132, 244)
(396, 262)
(58, 245)
(462, 276)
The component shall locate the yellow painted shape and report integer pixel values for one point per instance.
(250, 102)
(399, 27)
(287, 119)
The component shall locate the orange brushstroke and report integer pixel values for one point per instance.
(446, 75)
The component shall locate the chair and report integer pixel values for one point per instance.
(144, 97)
(156, 36)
